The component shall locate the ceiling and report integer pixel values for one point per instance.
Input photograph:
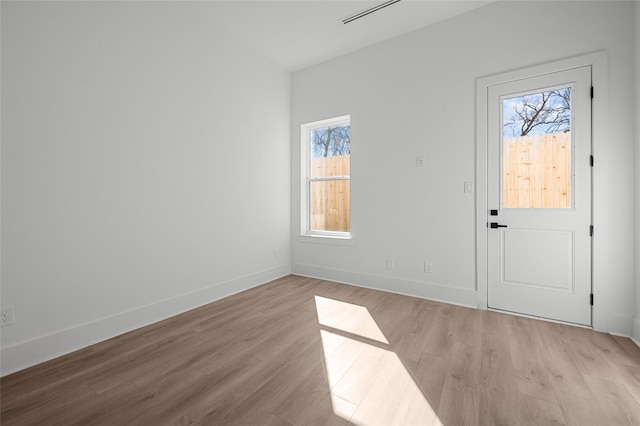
(296, 34)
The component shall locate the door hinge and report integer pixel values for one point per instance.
(591, 299)
(591, 160)
(591, 92)
(591, 230)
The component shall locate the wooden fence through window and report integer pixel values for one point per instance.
(537, 171)
(331, 199)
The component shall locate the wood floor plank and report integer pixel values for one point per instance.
(440, 338)
(260, 403)
(629, 377)
(629, 346)
(273, 420)
(460, 400)
(459, 404)
(411, 345)
(364, 369)
(312, 392)
(393, 398)
(52, 374)
(532, 376)
(559, 361)
(51, 403)
(615, 393)
(467, 325)
(266, 356)
(588, 358)
(608, 347)
(534, 411)
(580, 411)
(429, 373)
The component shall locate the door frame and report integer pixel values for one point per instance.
(599, 120)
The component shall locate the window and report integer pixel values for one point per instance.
(326, 177)
(537, 149)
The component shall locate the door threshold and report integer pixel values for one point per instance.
(518, 314)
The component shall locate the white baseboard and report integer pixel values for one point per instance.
(431, 291)
(635, 333)
(32, 352)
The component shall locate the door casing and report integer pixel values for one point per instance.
(598, 62)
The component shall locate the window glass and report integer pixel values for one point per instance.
(536, 150)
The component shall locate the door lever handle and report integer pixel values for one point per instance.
(495, 225)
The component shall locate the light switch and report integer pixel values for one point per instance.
(468, 187)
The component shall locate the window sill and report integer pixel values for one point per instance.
(336, 240)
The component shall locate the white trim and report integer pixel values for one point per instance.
(635, 331)
(600, 195)
(346, 240)
(598, 62)
(43, 348)
(424, 290)
(305, 180)
(329, 178)
(546, 68)
(327, 122)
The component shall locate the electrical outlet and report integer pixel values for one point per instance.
(6, 316)
(428, 267)
(420, 161)
(389, 264)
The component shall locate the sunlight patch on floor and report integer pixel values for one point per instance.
(369, 384)
(348, 317)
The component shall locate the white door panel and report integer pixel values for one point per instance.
(524, 251)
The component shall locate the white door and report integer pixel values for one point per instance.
(539, 196)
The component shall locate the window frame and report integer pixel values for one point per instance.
(307, 180)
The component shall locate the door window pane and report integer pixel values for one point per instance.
(536, 150)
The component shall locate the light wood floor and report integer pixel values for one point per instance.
(304, 351)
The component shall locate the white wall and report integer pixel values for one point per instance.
(415, 95)
(145, 169)
(636, 324)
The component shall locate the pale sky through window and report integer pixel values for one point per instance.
(537, 113)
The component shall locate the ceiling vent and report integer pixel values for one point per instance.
(366, 12)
